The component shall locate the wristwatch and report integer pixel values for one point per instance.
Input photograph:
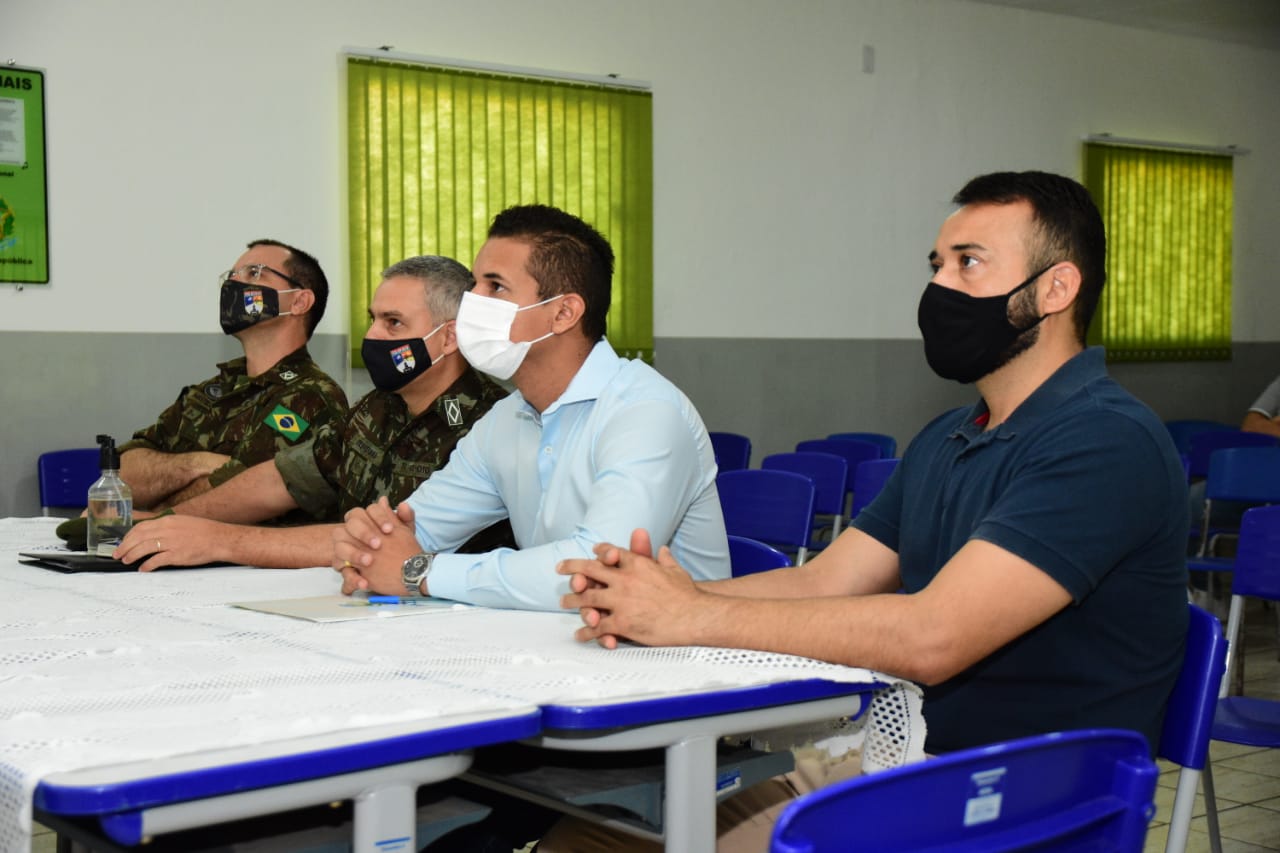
(415, 570)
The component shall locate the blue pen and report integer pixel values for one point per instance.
(395, 599)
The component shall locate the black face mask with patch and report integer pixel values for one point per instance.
(394, 364)
(243, 305)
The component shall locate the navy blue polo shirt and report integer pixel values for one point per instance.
(1083, 482)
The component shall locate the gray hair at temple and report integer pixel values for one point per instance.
(445, 279)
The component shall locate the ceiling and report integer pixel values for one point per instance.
(1250, 22)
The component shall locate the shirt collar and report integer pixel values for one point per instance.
(1081, 369)
(595, 374)
(290, 363)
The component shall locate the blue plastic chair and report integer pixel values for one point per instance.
(747, 556)
(888, 444)
(732, 451)
(774, 507)
(830, 475)
(1205, 444)
(1242, 474)
(854, 452)
(65, 477)
(1080, 790)
(1246, 719)
(1182, 430)
(868, 480)
(1188, 716)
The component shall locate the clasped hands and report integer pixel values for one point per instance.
(371, 545)
(627, 595)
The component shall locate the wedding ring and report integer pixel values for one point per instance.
(157, 544)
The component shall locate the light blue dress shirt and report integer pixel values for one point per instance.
(621, 448)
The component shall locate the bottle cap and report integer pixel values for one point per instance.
(108, 456)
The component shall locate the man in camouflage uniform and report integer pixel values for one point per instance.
(271, 399)
(426, 398)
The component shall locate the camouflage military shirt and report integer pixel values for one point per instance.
(249, 418)
(382, 449)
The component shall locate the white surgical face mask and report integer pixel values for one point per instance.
(484, 334)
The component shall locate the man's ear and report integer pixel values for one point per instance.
(302, 302)
(1064, 287)
(450, 336)
(569, 311)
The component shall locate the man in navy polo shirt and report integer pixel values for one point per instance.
(1039, 534)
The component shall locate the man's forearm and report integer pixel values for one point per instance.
(257, 494)
(854, 564)
(154, 476)
(278, 547)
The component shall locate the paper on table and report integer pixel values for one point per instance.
(344, 608)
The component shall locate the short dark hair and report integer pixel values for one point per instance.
(304, 269)
(1067, 223)
(566, 256)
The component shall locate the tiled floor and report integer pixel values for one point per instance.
(1247, 779)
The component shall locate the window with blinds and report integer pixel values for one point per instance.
(1168, 221)
(435, 153)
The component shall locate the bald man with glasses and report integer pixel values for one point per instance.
(267, 401)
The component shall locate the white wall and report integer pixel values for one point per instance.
(796, 196)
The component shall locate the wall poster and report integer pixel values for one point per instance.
(24, 210)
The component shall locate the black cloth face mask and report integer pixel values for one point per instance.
(965, 336)
(243, 305)
(394, 364)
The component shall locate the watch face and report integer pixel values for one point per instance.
(416, 567)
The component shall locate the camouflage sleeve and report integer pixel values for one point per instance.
(310, 472)
(163, 434)
(226, 472)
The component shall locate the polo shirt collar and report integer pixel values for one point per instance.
(1081, 369)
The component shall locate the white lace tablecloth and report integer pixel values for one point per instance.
(98, 669)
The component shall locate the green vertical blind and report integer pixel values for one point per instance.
(1168, 221)
(434, 153)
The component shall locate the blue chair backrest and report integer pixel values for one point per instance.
(1081, 790)
(1205, 444)
(888, 444)
(1182, 430)
(868, 480)
(830, 475)
(1246, 474)
(775, 507)
(732, 451)
(853, 452)
(65, 477)
(748, 556)
(1257, 564)
(1188, 717)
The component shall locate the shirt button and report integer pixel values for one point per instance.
(547, 450)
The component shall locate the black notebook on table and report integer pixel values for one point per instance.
(62, 560)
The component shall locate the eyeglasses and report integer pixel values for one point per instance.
(252, 273)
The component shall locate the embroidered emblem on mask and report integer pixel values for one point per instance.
(253, 302)
(402, 358)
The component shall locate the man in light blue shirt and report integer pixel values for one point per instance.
(587, 448)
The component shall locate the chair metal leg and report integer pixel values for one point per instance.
(1211, 809)
(1184, 801)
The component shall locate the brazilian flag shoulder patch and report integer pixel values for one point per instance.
(286, 423)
